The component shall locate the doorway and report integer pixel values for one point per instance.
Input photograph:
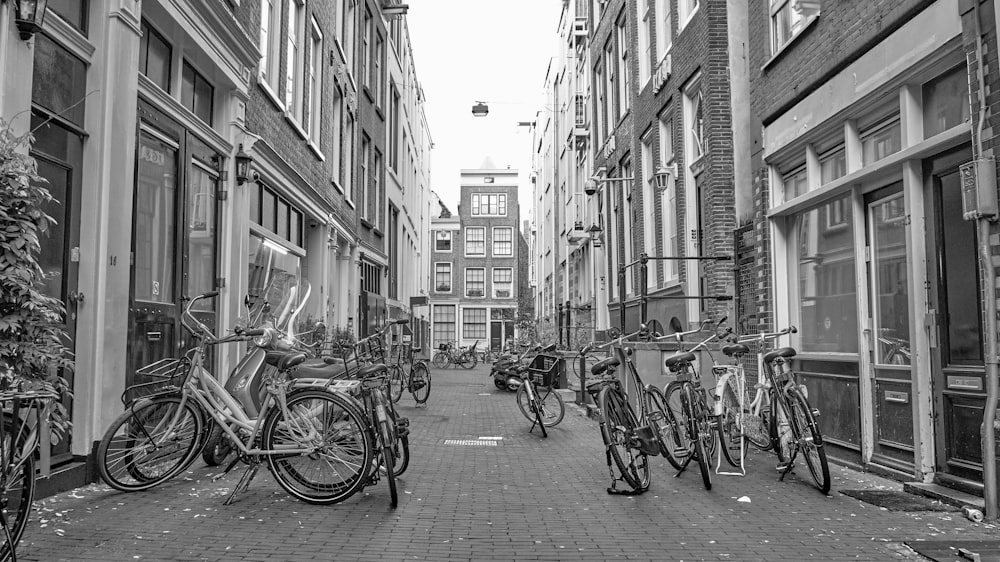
(174, 238)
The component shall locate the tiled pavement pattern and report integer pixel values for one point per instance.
(527, 498)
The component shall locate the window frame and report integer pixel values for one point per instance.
(315, 82)
(468, 239)
(496, 285)
(466, 323)
(438, 273)
(295, 61)
(494, 241)
(469, 270)
(451, 240)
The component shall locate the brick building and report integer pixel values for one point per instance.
(867, 123)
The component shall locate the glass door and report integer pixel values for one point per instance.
(889, 318)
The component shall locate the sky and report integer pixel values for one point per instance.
(482, 50)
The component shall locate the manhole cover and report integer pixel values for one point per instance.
(471, 442)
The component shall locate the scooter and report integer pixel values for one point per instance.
(509, 370)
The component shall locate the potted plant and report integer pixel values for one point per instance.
(32, 352)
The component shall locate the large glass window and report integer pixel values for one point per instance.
(946, 102)
(881, 140)
(474, 323)
(201, 224)
(832, 165)
(828, 308)
(155, 227)
(267, 258)
(154, 56)
(503, 241)
(444, 324)
(962, 290)
(475, 282)
(59, 81)
(475, 241)
(197, 93)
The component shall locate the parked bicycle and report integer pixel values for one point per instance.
(451, 353)
(416, 380)
(309, 430)
(537, 397)
(630, 437)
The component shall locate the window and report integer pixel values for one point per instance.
(366, 154)
(349, 157)
(611, 87)
(444, 324)
(697, 128)
(623, 70)
(503, 282)
(337, 134)
(442, 277)
(489, 204)
(787, 20)
(946, 102)
(376, 199)
(685, 11)
(646, 30)
(274, 213)
(827, 300)
(270, 39)
(154, 57)
(196, 93)
(832, 165)
(664, 29)
(668, 199)
(392, 142)
(474, 323)
(73, 12)
(475, 282)
(377, 79)
(601, 107)
(880, 141)
(59, 81)
(629, 219)
(648, 207)
(315, 83)
(366, 53)
(348, 34)
(503, 241)
(442, 241)
(475, 241)
(837, 213)
(293, 71)
(795, 182)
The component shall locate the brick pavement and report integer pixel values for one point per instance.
(527, 498)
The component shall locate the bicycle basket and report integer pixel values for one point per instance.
(162, 377)
(544, 370)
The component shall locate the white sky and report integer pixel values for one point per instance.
(486, 50)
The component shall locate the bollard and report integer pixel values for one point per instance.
(581, 398)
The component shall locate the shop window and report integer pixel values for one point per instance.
(197, 93)
(268, 258)
(832, 165)
(59, 80)
(827, 299)
(946, 102)
(474, 323)
(154, 56)
(795, 182)
(881, 140)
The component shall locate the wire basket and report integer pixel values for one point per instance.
(161, 377)
(544, 370)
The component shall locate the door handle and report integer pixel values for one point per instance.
(75, 297)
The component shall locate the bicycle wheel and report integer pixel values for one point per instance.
(149, 443)
(402, 445)
(420, 382)
(780, 429)
(617, 428)
(551, 405)
(683, 445)
(342, 447)
(662, 421)
(701, 432)
(217, 447)
(808, 439)
(440, 360)
(396, 383)
(730, 426)
(18, 490)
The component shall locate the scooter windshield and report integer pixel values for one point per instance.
(280, 302)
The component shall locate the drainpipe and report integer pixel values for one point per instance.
(990, 305)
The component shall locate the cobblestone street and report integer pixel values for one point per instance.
(524, 498)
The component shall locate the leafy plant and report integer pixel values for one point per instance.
(32, 352)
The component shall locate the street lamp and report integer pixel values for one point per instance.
(243, 161)
(596, 182)
(28, 16)
(594, 232)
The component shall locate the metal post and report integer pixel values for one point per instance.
(644, 275)
(569, 324)
(992, 368)
(581, 398)
(559, 323)
(621, 297)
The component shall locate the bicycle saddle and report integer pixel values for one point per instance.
(284, 361)
(371, 371)
(678, 358)
(603, 365)
(782, 352)
(320, 370)
(735, 349)
(416, 349)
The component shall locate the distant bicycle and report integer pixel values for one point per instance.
(417, 380)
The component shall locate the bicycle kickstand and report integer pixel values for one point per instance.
(244, 482)
(789, 465)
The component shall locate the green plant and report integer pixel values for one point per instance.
(32, 352)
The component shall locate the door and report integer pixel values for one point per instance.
(174, 240)
(58, 151)
(496, 335)
(889, 318)
(958, 378)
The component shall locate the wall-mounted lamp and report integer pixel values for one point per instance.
(596, 182)
(28, 16)
(480, 109)
(594, 231)
(243, 162)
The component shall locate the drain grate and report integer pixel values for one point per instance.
(471, 442)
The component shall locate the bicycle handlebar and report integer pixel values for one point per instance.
(766, 335)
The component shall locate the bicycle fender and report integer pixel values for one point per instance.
(720, 386)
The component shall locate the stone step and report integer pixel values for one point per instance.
(942, 493)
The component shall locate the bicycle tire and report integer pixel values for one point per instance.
(730, 428)
(396, 383)
(388, 459)
(420, 382)
(617, 427)
(700, 431)
(218, 446)
(551, 404)
(18, 491)
(662, 421)
(345, 449)
(683, 444)
(402, 445)
(781, 433)
(440, 360)
(123, 459)
(808, 439)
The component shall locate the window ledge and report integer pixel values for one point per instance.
(366, 223)
(683, 24)
(262, 83)
(336, 185)
(368, 93)
(350, 203)
(295, 125)
(315, 148)
(788, 44)
(377, 232)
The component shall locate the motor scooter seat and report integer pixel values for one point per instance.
(311, 370)
(284, 361)
(603, 365)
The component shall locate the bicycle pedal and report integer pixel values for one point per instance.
(785, 466)
(403, 422)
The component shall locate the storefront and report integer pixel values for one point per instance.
(873, 261)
